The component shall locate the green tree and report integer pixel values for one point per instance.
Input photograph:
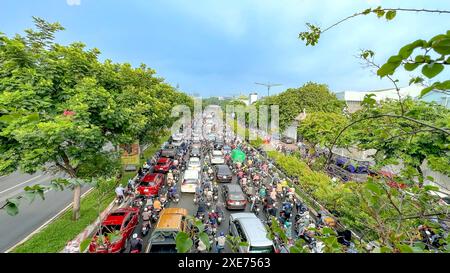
(312, 97)
(320, 128)
(60, 108)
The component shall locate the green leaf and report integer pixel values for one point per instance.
(84, 244)
(374, 187)
(12, 207)
(294, 249)
(416, 80)
(426, 91)
(391, 14)
(442, 46)
(432, 70)
(405, 248)
(183, 242)
(367, 11)
(430, 188)
(380, 13)
(205, 239)
(411, 66)
(30, 195)
(387, 69)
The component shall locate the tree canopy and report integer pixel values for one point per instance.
(311, 96)
(60, 107)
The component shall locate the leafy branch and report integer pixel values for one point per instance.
(312, 36)
(12, 205)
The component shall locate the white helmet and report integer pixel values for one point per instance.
(145, 209)
(212, 211)
(135, 236)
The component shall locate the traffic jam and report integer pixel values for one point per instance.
(217, 178)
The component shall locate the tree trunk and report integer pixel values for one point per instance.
(420, 177)
(76, 202)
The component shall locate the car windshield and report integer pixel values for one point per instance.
(261, 249)
(109, 229)
(236, 196)
(148, 184)
(163, 248)
(162, 163)
(224, 171)
(161, 236)
(190, 181)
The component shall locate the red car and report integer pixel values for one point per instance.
(163, 165)
(150, 184)
(123, 221)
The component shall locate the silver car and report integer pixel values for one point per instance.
(251, 230)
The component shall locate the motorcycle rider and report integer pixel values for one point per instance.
(146, 215)
(287, 208)
(169, 178)
(131, 184)
(212, 217)
(136, 244)
(120, 193)
(146, 167)
(157, 205)
(221, 239)
(172, 192)
(201, 208)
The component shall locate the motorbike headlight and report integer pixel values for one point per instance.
(220, 219)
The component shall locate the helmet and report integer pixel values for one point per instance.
(221, 233)
(135, 235)
(212, 211)
(145, 209)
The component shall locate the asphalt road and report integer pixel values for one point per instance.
(31, 216)
(187, 201)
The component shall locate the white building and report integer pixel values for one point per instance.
(354, 98)
(253, 97)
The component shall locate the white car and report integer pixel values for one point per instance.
(194, 163)
(191, 180)
(217, 157)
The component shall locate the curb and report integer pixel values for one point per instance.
(46, 223)
(89, 230)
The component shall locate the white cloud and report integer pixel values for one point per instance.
(73, 2)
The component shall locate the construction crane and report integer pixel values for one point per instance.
(268, 85)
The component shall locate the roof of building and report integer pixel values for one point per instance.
(383, 94)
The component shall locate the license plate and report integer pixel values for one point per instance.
(146, 190)
(224, 177)
(237, 203)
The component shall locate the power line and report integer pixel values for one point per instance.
(268, 85)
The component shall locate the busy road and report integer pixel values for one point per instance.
(216, 179)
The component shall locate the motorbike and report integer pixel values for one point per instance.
(119, 199)
(155, 216)
(145, 227)
(137, 202)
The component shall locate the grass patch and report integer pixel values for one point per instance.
(55, 236)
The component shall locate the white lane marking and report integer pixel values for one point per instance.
(20, 184)
(46, 223)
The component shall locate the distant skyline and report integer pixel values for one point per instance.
(221, 48)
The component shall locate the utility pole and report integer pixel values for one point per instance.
(268, 85)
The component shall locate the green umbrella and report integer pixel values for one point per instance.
(237, 155)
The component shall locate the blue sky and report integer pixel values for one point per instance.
(222, 47)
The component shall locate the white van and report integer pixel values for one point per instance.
(191, 179)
